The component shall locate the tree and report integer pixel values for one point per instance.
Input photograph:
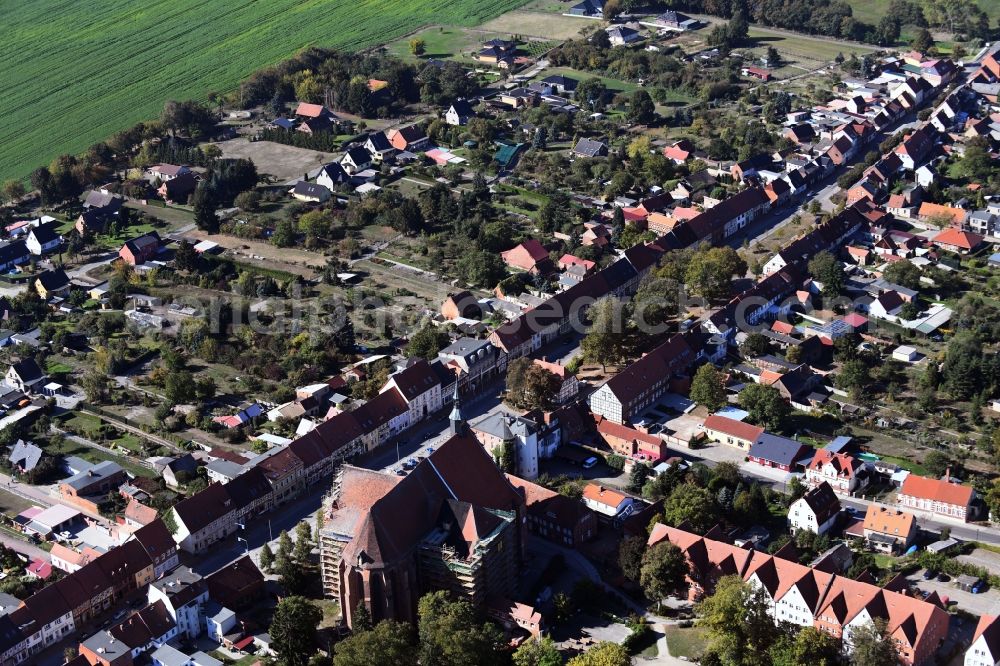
(765, 405)
(663, 572)
(887, 31)
(418, 46)
(389, 642)
(293, 629)
(530, 386)
(755, 344)
(451, 635)
(603, 342)
(602, 654)
(872, 646)
(485, 269)
(902, 273)
(537, 652)
(303, 543)
(810, 646)
(185, 257)
(427, 342)
(248, 201)
(284, 545)
(691, 504)
(540, 140)
(630, 552)
(12, 190)
(707, 388)
(825, 268)
(740, 629)
(285, 233)
(203, 201)
(266, 557)
(773, 57)
(180, 387)
(937, 463)
(710, 271)
(923, 41)
(592, 92)
(641, 109)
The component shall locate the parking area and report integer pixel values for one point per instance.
(987, 602)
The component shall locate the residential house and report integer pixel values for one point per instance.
(25, 375)
(24, 456)
(12, 254)
(629, 442)
(679, 152)
(844, 473)
(955, 240)
(639, 385)
(166, 172)
(569, 386)
(756, 73)
(562, 85)
(462, 305)
(889, 530)
(410, 138)
(732, 432)
(941, 497)
(778, 452)
(43, 239)
(180, 471)
(555, 517)
(179, 190)
(803, 596)
(985, 647)
(140, 249)
(605, 501)
(355, 159)
(52, 283)
(915, 148)
(816, 511)
(184, 595)
(310, 192)
(420, 388)
(622, 35)
(499, 432)
(459, 113)
(590, 148)
(530, 256)
(934, 213)
(378, 146)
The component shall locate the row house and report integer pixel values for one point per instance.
(59, 609)
(807, 597)
(643, 382)
(761, 301)
(940, 497)
(567, 309)
(826, 236)
(420, 388)
(730, 215)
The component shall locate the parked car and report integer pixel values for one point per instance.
(943, 577)
(929, 573)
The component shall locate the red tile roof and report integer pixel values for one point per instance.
(937, 490)
(957, 238)
(738, 429)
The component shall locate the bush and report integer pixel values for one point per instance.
(615, 462)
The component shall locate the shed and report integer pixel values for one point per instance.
(966, 582)
(904, 354)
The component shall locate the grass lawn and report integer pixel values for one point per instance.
(802, 48)
(109, 64)
(687, 642)
(53, 367)
(11, 504)
(611, 84)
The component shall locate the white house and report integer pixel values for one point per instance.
(904, 354)
(841, 471)
(354, 160)
(604, 500)
(184, 594)
(985, 648)
(459, 113)
(42, 239)
(816, 511)
(421, 389)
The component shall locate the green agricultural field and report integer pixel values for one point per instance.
(871, 11)
(76, 72)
